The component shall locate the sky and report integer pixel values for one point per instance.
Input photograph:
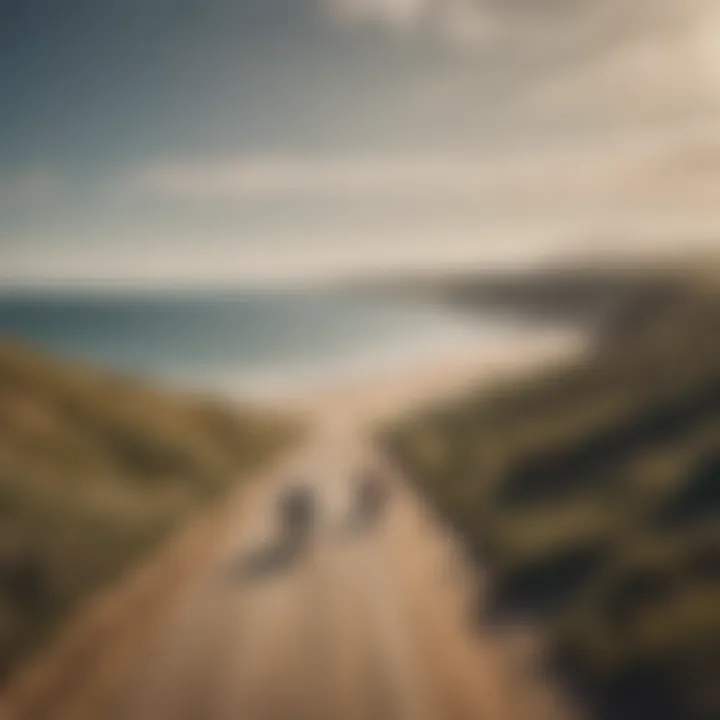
(195, 141)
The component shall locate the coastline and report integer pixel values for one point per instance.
(382, 395)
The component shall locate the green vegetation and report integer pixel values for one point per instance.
(94, 471)
(592, 496)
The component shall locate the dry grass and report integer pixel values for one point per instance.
(95, 470)
(592, 495)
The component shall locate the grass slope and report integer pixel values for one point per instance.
(94, 471)
(592, 495)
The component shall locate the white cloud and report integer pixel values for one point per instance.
(28, 186)
(523, 208)
(465, 22)
(608, 60)
(433, 176)
(397, 13)
(469, 25)
(514, 26)
(670, 70)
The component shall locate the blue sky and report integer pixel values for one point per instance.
(179, 140)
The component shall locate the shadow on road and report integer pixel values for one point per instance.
(358, 524)
(266, 562)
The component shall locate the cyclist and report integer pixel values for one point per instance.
(297, 512)
(371, 497)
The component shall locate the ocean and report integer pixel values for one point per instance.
(251, 343)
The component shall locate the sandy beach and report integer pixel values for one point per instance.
(381, 396)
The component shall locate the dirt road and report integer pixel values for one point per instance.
(366, 622)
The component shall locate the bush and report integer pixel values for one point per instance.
(95, 470)
(591, 496)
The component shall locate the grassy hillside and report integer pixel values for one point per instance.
(592, 495)
(94, 471)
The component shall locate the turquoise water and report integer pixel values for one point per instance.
(247, 342)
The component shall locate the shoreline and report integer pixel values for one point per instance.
(380, 396)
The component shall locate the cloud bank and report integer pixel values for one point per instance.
(388, 176)
(645, 58)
